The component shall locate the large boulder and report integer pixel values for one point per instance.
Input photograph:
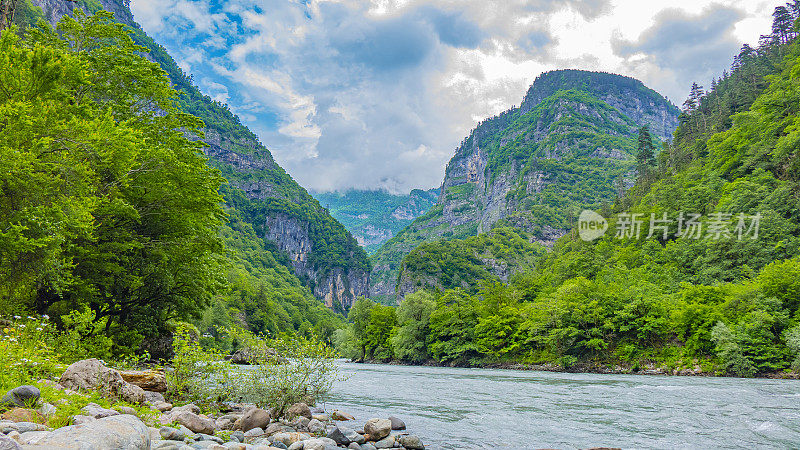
(253, 418)
(297, 410)
(149, 380)
(377, 429)
(21, 396)
(194, 422)
(122, 431)
(6, 443)
(92, 374)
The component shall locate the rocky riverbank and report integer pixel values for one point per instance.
(154, 423)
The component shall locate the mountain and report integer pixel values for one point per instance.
(316, 248)
(373, 217)
(567, 147)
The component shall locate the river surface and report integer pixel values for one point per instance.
(452, 408)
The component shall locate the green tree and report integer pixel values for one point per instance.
(413, 316)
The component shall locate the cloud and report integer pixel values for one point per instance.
(378, 93)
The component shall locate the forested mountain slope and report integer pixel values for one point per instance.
(567, 147)
(373, 217)
(697, 272)
(321, 252)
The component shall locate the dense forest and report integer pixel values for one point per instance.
(699, 270)
(112, 220)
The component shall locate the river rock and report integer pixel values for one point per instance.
(149, 380)
(115, 432)
(47, 410)
(411, 442)
(80, 419)
(97, 411)
(92, 374)
(338, 436)
(125, 409)
(22, 396)
(288, 439)
(194, 422)
(377, 429)
(315, 426)
(171, 434)
(397, 424)
(161, 406)
(354, 446)
(153, 397)
(387, 442)
(32, 437)
(253, 433)
(253, 418)
(235, 446)
(22, 415)
(297, 410)
(318, 444)
(368, 446)
(341, 415)
(7, 443)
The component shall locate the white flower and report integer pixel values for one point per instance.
(39, 329)
(31, 318)
(22, 326)
(45, 317)
(18, 317)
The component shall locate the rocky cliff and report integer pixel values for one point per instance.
(568, 146)
(321, 251)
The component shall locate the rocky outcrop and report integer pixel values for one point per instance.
(574, 132)
(92, 374)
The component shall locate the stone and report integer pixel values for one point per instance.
(297, 410)
(149, 380)
(125, 410)
(254, 418)
(387, 442)
(280, 445)
(6, 443)
(338, 436)
(411, 442)
(253, 433)
(153, 397)
(301, 423)
(321, 417)
(315, 426)
(397, 424)
(22, 396)
(273, 428)
(368, 446)
(297, 445)
(171, 434)
(210, 445)
(377, 429)
(208, 437)
(25, 427)
(22, 415)
(92, 374)
(32, 437)
(97, 411)
(224, 423)
(234, 446)
(341, 415)
(80, 419)
(191, 407)
(288, 439)
(121, 431)
(47, 410)
(15, 435)
(238, 435)
(354, 446)
(315, 444)
(194, 422)
(161, 406)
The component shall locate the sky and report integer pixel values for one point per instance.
(377, 94)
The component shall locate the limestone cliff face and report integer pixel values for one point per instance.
(250, 168)
(568, 146)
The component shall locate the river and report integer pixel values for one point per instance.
(452, 408)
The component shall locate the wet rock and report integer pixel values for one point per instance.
(297, 410)
(22, 396)
(341, 415)
(411, 442)
(397, 424)
(92, 374)
(387, 442)
(115, 432)
(338, 436)
(149, 380)
(254, 418)
(377, 429)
